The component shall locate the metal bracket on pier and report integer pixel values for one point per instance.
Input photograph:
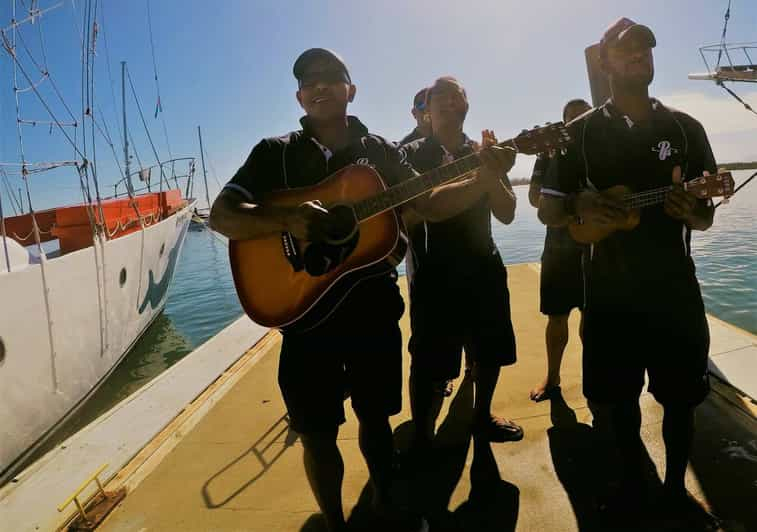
(98, 507)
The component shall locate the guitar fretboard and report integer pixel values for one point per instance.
(407, 190)
(646, 198)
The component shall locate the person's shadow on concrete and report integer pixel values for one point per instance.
(493, 504)
(573, 447)
(588, 466)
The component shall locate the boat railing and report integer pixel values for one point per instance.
(729, 62)
(168, 173)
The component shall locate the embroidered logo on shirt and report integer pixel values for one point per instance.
(664, 149)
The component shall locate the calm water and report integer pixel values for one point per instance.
(202, 300)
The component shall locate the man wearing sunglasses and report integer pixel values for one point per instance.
(644, 310)
(359, 346)
(423, 121)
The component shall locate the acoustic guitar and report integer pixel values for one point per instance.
(287, 283)
(708, 186)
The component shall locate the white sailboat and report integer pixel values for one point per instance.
(79, 284)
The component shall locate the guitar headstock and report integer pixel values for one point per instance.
(549, 138)
(711, 186)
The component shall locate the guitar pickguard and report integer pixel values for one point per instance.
(321, 258)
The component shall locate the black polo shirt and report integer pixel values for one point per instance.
(455, 246)
(557, 238)
(298, 160)
(414, 135)
(651, 263)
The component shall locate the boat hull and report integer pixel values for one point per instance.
(66, 323)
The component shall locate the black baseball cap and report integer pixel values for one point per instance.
(623, 30)
(319, 55)
(419, 102)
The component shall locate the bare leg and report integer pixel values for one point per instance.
(486, 382)
(678, 432)
(626, 424)
(325, 470)
(485, 424)
(426, 399)
(377, 446)
(556, 339)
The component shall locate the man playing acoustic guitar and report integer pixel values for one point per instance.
(359, 345)
(459, 295)
(644, 309)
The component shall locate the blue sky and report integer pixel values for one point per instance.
(227, 67)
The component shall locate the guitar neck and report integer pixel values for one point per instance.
(647, 198)
(401, 193)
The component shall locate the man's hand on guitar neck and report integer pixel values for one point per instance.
(684, 206)
(495, 163)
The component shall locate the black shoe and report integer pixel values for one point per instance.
(684, 512)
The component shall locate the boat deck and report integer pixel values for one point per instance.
(240, 468)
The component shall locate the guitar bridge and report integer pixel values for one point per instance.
(291, 251)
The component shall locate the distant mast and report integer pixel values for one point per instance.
(204, 172)
(126, 134)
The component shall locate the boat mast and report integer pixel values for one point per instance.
(204, 172)
(126, 134)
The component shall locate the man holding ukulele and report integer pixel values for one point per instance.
(644, 310)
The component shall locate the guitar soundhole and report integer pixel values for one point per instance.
(342, 225)
(343, 233)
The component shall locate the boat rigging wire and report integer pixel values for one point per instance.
(159, 103)
(737, 189)
(721, 82)
(144, 123)
(725, 30)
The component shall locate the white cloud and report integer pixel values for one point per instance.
(718, 114)
(732, 130)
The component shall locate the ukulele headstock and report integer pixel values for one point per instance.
(711, 186)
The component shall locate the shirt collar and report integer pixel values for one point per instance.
(466, 147)
(610, 111)
(356, 128)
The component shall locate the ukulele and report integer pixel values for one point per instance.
(708, 186)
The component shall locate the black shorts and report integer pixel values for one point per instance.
(562, 280)
(359, 349)
(672, 347)
(449, 314)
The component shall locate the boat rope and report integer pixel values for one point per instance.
(10, 48)
(144, 124)
(46, 73)
(110, 75)
(737, 189)
(9, 190)
(725, 30)
(736, 96)
(159, 103)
